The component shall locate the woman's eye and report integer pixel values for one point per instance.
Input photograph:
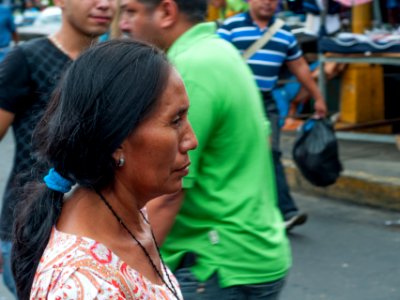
(177, 120)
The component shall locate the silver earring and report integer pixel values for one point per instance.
(121, 162)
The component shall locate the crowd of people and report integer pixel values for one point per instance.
(149, 166)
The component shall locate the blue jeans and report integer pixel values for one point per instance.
(192, 289)
(7, 273)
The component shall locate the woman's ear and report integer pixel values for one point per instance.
(118, 155)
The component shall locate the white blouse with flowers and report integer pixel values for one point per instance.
(75, 267)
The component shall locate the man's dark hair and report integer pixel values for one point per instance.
(195, 10)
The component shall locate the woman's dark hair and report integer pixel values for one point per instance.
(102, 98)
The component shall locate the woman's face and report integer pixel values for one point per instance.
(156, 153)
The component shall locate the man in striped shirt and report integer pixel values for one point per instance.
(242, 31)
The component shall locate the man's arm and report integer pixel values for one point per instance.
(301, 70)
(6, 119)
(162, 212)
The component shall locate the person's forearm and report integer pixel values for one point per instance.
(162, 212)
(303, 75)
(320, 103)
(6, 119)
(301, 70)
(313, 89)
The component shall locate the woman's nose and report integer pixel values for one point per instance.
(189, 141)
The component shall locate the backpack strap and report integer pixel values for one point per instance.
(258, 44)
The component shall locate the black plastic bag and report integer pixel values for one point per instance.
(316, 153)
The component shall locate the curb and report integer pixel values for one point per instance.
(356, 187)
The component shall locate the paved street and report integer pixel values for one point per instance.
(344, 252)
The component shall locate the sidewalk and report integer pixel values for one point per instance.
(371, 174)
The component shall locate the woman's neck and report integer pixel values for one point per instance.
(85, 214)
(125, 205)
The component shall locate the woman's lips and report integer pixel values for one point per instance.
(184, 170)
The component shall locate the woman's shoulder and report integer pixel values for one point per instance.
(74, 266)
(64, 249)
(82, 268)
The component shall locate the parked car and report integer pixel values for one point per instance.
(48, 22)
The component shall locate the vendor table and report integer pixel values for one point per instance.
(369, 57)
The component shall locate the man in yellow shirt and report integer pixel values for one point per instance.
(222, 9)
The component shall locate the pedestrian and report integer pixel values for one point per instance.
(223, 233)
(229, 8)
(117, 129)
(8, 31)
(27, 77)
(242, 31)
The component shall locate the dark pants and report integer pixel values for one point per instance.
(285, 201)
(192, 289)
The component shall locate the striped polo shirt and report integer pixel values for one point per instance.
(241, 31)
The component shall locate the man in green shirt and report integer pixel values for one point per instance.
(228, 236)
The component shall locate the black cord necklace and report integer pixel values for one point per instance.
(170, 286)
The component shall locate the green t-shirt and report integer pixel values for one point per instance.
(229, 216)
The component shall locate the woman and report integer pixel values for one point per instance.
(117, 130)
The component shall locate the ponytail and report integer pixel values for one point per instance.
(35, 217)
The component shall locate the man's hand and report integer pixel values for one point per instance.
(320, 107)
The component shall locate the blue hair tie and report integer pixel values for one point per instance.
(56, 182)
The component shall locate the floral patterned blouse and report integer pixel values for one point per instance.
(74, 267)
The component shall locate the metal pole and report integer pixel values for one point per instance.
(377, 13)
(321, 34)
